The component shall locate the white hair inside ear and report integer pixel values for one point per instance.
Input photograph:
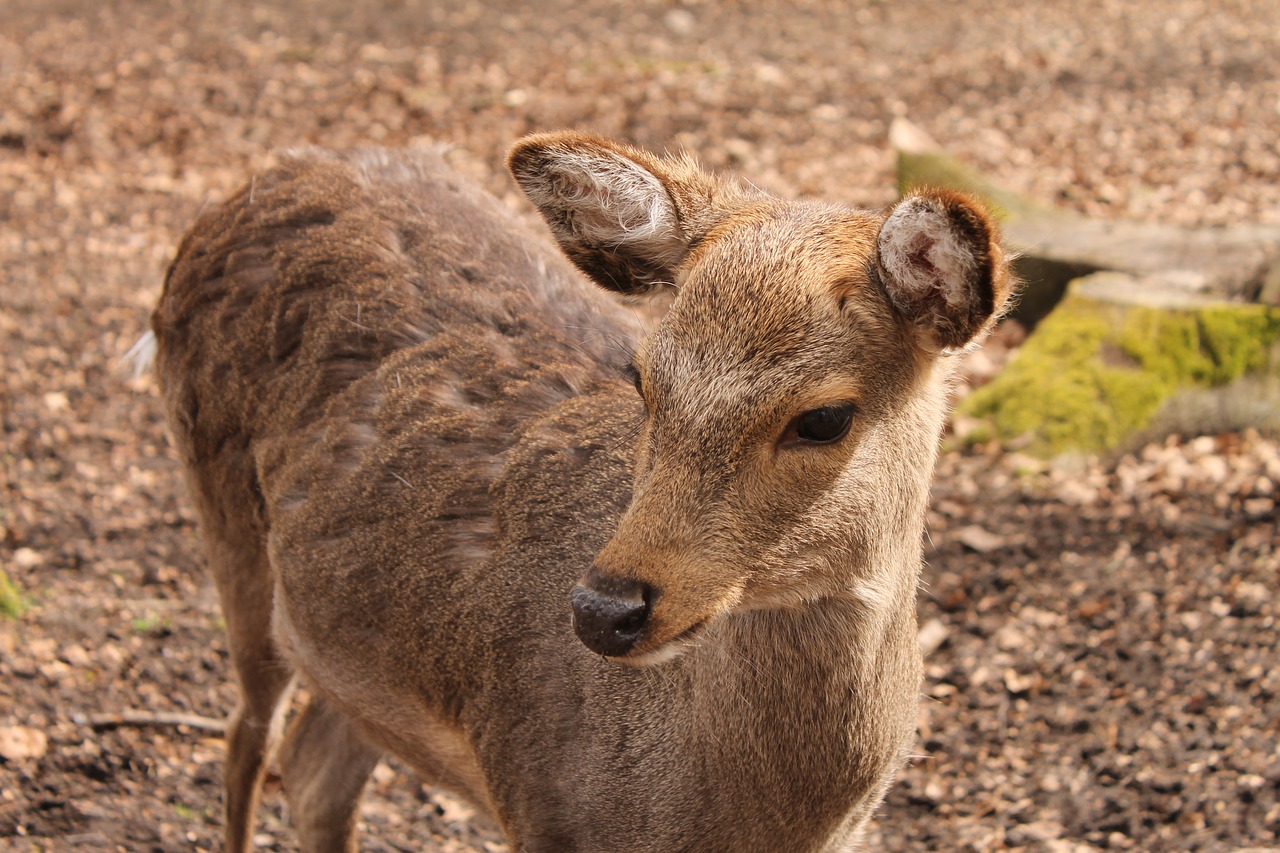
(923, 253)
(612, 202)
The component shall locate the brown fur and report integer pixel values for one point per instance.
(407, 434)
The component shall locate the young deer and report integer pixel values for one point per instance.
(420, 467)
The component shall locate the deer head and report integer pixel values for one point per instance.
(792, 397)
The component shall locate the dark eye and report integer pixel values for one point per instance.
(632, 373)
(822, 426)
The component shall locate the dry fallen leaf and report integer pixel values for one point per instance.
(932, 635)
(979, 539)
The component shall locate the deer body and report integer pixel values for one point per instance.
(420, 468)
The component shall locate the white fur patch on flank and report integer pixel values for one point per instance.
(921, 252)
(614, 202)
(142, 355)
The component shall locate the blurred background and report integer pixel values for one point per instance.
(1101, 624)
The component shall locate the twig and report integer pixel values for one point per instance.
(146, 718)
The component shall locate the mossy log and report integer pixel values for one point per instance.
(1119, 360)
(1139, 328)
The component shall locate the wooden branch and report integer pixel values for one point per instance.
(99, 722)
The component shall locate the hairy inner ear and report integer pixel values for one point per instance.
(607, 206)
(940, 259)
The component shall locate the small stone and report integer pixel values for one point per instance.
(22, 743)
(56, 401)
(827, 112)
(27, 558)
(42, 649)
(680, 21)
(76, 656)
(770, 75)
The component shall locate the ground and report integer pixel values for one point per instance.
(1103, 668)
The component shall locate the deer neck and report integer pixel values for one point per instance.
(806, 707)
(820, 651)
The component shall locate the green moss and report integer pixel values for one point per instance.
(935, 169)
(151, 624)
(12, 603)
(1094, 372)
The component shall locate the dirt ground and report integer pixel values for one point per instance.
(1104, 672)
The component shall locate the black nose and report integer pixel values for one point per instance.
(609, 614)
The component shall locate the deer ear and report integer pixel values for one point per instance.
(939, 257)
(610, 207)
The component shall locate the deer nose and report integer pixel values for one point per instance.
(609, 614)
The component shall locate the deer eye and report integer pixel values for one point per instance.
(820, 426)
(632, 373)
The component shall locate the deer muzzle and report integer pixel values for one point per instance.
(609, 613)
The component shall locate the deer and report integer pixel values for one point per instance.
(624, 586)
